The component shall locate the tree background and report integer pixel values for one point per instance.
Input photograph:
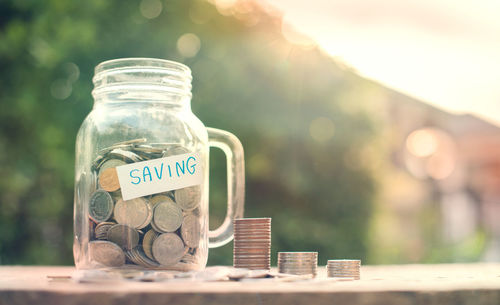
(310, 126)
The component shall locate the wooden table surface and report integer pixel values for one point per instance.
(385, 285)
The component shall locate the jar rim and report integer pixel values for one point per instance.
(142, 74)
(141, 62)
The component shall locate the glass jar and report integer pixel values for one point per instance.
(141, 178)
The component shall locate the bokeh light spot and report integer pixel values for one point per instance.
(422, 142)
(188, 45)
(150, 8)
(72, 71)
(61, 89)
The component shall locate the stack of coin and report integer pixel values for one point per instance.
(343, 268)
(158, 231)
(252, 243)
(300, 263)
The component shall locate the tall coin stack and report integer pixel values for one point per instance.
(299, 263)
(252, 243)
(344, 268)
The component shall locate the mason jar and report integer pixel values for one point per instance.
(142, 172)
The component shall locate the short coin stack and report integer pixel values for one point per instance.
(252, 243)
(299, 263)
(158, 231)
(343, 268)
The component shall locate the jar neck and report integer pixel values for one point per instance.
(147, 98)
(142, 80)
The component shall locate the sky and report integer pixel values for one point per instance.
(444, 52)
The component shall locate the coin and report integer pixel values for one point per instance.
(167, 216)
(138, 257)
(168, 249)
(100, 206)
(101, 230)
(344, 268)
(252, 243)
(124, 236)
(174, 150)
(190, 231)
(147, 242)
(189, 258)
(149, 217)
(188, 198)
(159, 198)
(134, 212)
(299, 263)
(253, 220)
(110, 163)
(124, 155)
(133, 141)
(106, 253)
(108, 180)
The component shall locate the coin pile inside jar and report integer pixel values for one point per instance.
(158, 231)
(299, 263)
(252, 243)
(344, 268)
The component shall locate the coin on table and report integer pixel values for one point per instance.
(108, 180)
(188, 198)
(106, 253)
(147, 242)
(124, 236)
(190, 231)
(168, 249)
(167, 216)
(100, 206)
(134, 213)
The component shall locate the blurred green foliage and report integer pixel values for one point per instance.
(303, 121)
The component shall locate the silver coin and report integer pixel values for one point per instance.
(148, 149)
(149, 218)
(110, 163)
(100, 206)
(138, 257)
(190, 231)
(168, 249)
(133, 141)
(160, 198)
(252, 220)
(188, 198)
(101, 230)
(124, 155)
(174, 150)
(98, 161)
(147, 242)
(133, 213)
(189, 258)
(106, 253)
(167, 216)
(105, 151)
(124, 236)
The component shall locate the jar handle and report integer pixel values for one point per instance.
(233, 149)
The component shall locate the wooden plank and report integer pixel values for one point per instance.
(406, 284)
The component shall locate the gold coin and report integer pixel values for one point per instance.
(108, 180)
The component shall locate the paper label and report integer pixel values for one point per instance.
(160, 175)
